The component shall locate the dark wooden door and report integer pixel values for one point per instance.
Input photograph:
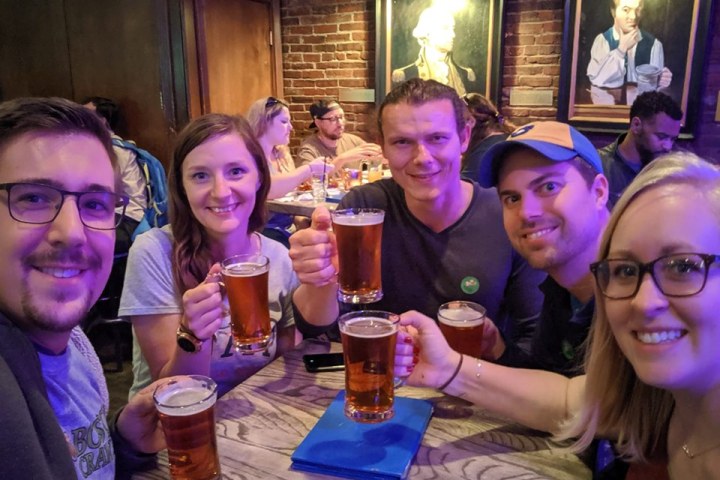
(236, 46)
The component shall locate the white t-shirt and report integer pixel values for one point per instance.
(149, 289)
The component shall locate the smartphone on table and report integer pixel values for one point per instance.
(324, 362)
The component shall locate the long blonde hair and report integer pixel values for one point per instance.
(616, 401)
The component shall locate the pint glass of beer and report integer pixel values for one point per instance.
(462, 324)
(359, 233)
(186, 405)
(246, 283)
(368, 339)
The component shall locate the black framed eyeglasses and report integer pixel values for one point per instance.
(37, 204)
(675, 275)
(336, 119)
(272, 101)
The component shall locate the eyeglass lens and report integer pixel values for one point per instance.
(33, 203)
(675, 275)
(338, 119)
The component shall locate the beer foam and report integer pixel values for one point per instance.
(173, 403)
(369, 327)
(463, 316)
(244, 269)
(360, 219)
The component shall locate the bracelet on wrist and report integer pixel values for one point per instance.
(452, 377)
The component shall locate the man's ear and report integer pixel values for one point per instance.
(601, 189)
(635, 125)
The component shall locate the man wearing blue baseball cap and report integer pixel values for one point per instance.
(553, 192)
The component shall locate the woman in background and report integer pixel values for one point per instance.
(489, 128)
(269, 119)
(218, 183)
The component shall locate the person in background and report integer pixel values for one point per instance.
(616, 52)
(652, 381)
(269, 119)
(133, 180)
(218, 184)
(654, 129)
(57, 190)
(490, 127)
(442, 237)
(345, 149)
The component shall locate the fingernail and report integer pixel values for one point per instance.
(408, 340)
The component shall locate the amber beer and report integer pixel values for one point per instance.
(246, 283)
(368, 339)
(186, 406)
(462, 324)
(359, 234)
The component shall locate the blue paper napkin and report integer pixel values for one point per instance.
(339, 446)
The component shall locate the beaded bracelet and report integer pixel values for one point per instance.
(452, 377)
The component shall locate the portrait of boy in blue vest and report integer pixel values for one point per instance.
(617, 53)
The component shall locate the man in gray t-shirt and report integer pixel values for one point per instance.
(330, 140)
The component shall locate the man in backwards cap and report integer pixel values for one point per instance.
(330, 140)
(553, 192)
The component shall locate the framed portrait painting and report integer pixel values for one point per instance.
(456, 42)
(614, 50)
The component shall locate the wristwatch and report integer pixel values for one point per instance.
(187, 340)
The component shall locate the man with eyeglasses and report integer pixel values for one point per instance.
(331, 140)
(58, 220)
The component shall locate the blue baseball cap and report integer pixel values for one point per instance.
(554, 140)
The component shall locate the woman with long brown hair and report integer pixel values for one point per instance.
(218, 184)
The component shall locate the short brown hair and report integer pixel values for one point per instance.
(53, 115)
(417, 91)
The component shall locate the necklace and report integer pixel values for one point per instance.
(692, 455)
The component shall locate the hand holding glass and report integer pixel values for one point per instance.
(186, 406)
(246, 282)
(462, 324)
(359, 235)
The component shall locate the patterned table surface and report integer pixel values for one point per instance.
(261, 422)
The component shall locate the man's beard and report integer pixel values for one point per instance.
(45, 318)
(646, 155)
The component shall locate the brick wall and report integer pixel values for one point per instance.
(330, 44)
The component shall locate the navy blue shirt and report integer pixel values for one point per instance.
(560, 334)
(470, 260)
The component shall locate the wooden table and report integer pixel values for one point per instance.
(261, 422)
(303, 208)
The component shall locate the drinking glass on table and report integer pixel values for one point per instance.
(368, 339)
(374, 169)
(358, 232)
(319, 182)
(186, 406)
(246, 282)
(462, 323)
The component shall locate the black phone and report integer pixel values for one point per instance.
(324, 362)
